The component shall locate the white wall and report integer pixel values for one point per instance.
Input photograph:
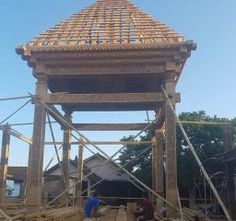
(92, 164)
(15, 186)
(107, 171)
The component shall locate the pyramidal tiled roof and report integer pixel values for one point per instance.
(106, 22)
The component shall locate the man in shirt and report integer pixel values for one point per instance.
(91, 207)
(146, 212)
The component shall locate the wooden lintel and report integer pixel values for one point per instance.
(107, 69)
(154, 97)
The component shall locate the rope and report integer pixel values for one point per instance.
(15, 112)
(197, 158)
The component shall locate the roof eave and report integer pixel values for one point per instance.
(26, 51)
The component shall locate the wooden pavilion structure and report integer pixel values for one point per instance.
(110, 56)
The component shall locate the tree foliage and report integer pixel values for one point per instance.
(140, 166)
(206, 139)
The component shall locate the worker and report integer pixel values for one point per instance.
(146, 211)
(91, 207)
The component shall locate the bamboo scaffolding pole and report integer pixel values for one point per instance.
(7, 218)
(126, 164)
(80, 169)
(28, 123)
(18, 135)
(206, 123)
(56, 151)
(109, 158)
(197, 158)
(102, 143)
(51, 160)
(183, 122)
(139, 154)
(14, 98)
(180, 206)
(121, 174)
(16, 111)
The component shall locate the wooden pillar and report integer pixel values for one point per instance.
(88, 187)
(192, 197)
(65, 181)
(170, 142)
(229, 169)
(45, 191)
(4, 161)
(79, 176)
(160, 168)
(230, 189)
(154, 163)
(227, 138)
(34, 192)
(28, 173)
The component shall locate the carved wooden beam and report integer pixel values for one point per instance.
(107, 98)
(120, 69)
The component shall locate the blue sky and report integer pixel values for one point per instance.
(207, 82)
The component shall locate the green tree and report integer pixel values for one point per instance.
(140, 165)
(206, 139)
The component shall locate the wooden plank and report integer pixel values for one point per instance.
(131, 208)
(122, 215)
(111, 216)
